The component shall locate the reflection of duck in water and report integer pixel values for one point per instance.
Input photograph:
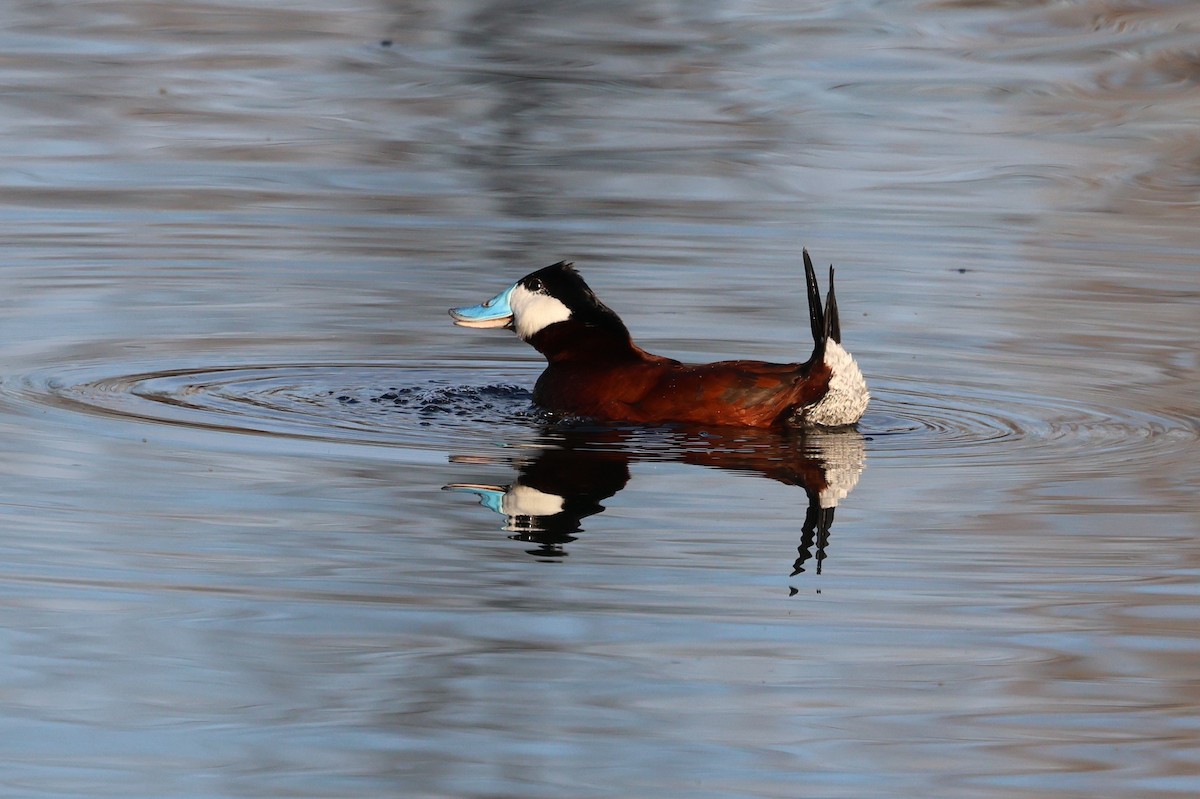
(554, 491)
(595, 369)
(559, 486)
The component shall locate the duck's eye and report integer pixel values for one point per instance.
(534, 284)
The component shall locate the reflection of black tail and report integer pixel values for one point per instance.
(817, 523)
(824, 321)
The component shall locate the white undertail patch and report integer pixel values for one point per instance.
(847, 398)
(533, 311)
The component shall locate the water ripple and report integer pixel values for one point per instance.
(430, 406)
(972, 424)
(423, 406)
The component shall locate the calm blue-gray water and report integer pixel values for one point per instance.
(264, 523)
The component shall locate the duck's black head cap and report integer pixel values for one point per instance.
(564, 283)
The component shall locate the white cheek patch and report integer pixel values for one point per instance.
(533, 311)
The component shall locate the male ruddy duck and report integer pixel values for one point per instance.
(595, 369)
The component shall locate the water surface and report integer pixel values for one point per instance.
(231, 401)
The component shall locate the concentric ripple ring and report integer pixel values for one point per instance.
(436, 405)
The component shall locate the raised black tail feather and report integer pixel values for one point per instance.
(831, 311)
(816, 315)
(824, 321)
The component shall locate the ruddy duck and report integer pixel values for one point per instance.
(595, 370)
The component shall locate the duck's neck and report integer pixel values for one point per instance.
(572, 342)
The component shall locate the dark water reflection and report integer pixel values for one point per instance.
(572, 471)
(229, 400)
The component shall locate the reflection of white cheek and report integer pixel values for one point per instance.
(532, 312)
(525, 501)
